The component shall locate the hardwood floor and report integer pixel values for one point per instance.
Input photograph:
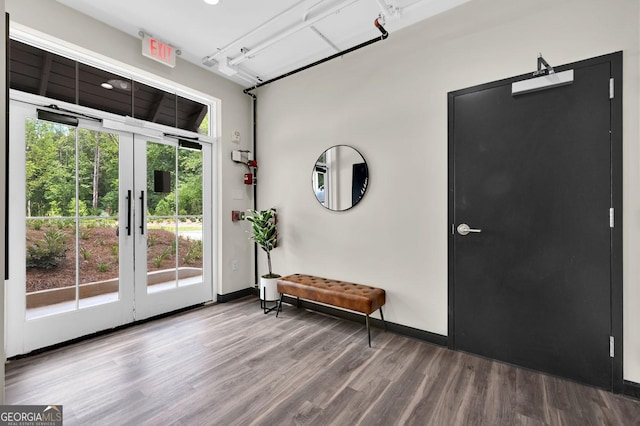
(229, 364)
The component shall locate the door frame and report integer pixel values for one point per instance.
(615, 61)
(109, 315)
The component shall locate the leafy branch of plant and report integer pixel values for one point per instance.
(264, 233)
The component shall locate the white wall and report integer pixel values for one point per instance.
(389, 101)
(63, 23)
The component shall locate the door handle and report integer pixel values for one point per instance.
(464, 229)
(141, 212)
(129, 212)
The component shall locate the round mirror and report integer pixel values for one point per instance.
(340, 178)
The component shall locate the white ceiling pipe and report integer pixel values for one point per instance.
(324, 38)
(253, 31)
(419, 2)
(246, 76)
(306, 14)
(391, 11)
(315, 30)
(292, 30)
(388, 11)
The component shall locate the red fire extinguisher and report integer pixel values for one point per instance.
(248, 177)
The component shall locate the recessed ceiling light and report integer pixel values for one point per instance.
(117, 84)
(212, 1)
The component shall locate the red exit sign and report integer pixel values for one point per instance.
(158, 51)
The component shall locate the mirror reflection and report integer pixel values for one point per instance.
(340, 178)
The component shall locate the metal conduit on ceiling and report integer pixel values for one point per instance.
(231, 65)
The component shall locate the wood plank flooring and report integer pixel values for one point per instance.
(229, 364)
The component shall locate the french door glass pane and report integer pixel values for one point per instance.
(161, 217)
(72, 216)
(98, 261)
(50, 217)
(50, 277)
(190, 183)
(190, 251)
(98, 191)
(161, 254)
(174, 220)
(190, 216)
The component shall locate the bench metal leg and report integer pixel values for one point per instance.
(369, 328)
(382, 317)
(279, 305)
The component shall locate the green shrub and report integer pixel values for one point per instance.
(161, 258)
(35, 224)
(194, 251)
(47, 253)
(85, 253)
(158, 261)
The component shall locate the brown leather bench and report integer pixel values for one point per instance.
(341, 294)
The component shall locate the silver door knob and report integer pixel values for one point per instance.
(464, 229)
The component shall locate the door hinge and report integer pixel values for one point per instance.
(611, 86)
(611, 346)
(611, 217)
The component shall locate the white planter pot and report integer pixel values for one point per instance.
(268, 289)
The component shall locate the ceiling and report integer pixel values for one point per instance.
(249, 41)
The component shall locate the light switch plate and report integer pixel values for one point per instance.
(235, 136)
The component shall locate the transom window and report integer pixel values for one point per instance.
(37, 71)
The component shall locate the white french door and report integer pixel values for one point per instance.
(106, 227)
(170, 225)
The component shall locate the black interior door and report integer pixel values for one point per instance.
(532, 173)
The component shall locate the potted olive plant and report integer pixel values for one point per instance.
(265, 234)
